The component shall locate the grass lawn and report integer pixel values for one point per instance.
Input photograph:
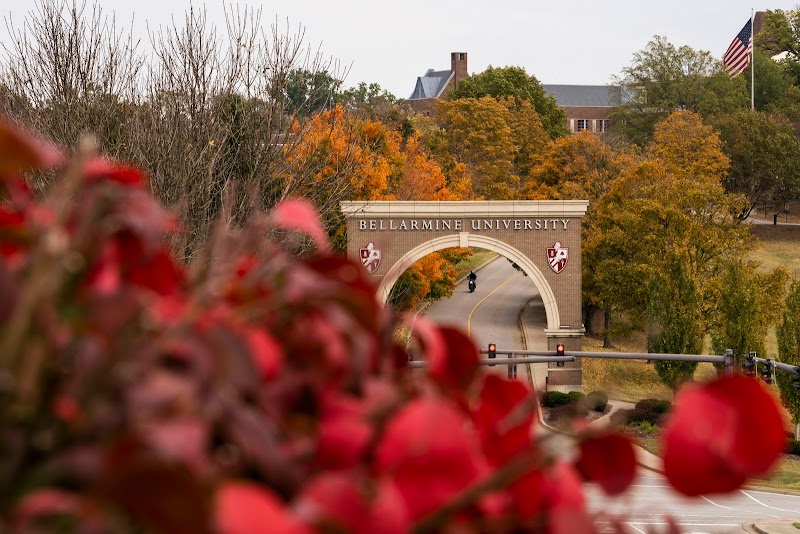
(781, 247)
(479, 257)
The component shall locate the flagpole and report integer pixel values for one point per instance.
(752, 63)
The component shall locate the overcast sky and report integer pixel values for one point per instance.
(392, 43)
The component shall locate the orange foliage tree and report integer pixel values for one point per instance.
(497, 140)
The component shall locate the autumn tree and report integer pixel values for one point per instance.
(788, 334)
(418, 177)
(660, 213)
(497, 140)
(342, 155)
(764, 154)
(437, 142)
(663, 78)
(579, 166)
(514, 82)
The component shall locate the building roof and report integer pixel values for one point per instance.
(596, 96)
(431, 84)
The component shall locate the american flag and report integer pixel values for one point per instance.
(737, 58)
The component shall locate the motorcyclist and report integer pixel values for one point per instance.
(472, 277)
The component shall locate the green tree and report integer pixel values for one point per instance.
(788, 334)
(664, 78)
(309, 92)
(781, 34)
(764, 154)
(374, 103)
(745, 304)
(515, 82)
(772, 81)
(674, 319)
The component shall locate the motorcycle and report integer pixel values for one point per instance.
(471, 286)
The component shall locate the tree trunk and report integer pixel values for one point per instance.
(797, 430)
(606, 325)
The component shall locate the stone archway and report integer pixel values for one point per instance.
(542, 237)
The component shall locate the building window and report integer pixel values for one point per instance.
(582, 124)
(603, 125)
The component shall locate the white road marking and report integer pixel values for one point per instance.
(768, 506)
(469, 317)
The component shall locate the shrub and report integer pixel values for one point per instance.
(551, 399)
(634, 416)
(575, 396)
(793, 447)
(658, 406)
(597, 401)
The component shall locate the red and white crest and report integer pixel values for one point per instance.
(370, 258)
(557, 257)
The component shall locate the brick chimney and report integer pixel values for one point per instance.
(458, 64)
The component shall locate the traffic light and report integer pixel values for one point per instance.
(749, 364)
(492, 352)
(766, 371)
(560, 352)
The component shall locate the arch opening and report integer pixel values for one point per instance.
(479, 241)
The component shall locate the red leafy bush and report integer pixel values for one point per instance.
(255, 390)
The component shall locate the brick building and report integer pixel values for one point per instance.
(587, 107)
(435, 84)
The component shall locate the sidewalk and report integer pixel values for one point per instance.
(774, 526)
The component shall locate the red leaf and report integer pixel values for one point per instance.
(103, 277)
(430, 339)
(245, 508)
(720, 434)
(159, 273)
(609, 459)
(99, 169)
(344, 433)
(46, 502)
(67, 409)
(20, 150)
(502, 436)
(130, 472)
(429, 454)
(334, 498)
(390, 515)
(455, 368)
(266, 352)
(183, 440)
(564, 500)
(299, 214)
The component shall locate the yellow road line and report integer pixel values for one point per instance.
(469, 318)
